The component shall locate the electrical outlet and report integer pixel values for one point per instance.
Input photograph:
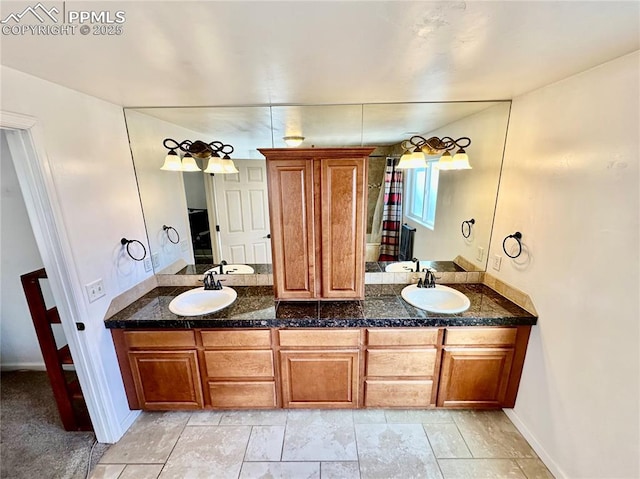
(147, 264)
(155, 260)
(480, 253)
(95, 290)
(497, 260)
(184, 245)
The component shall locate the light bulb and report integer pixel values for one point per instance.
(461, 160)
(445, 162)
(293, 141)
(215, 165)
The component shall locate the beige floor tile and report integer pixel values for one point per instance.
(265, 443)
(301, 417)
(277, 417)
(207, 452)
(446, 441)
(369, 416)
(280, 470)
(480, 469)
(534, 469)
(107, 471)
(395, 451)
(417, 416)
(205, 418)
(490, 434)
(149, 441)
(319, 435)
(340, 470)
(141, 471)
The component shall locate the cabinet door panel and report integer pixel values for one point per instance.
(257, 339)
(320, 378)
(239, 364)
(292, 228)
(474, 377)
(237, 395)
(380, 393)
(343, 198)
(401, 362)
(166, 380)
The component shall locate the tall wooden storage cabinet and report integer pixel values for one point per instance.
(317, 204)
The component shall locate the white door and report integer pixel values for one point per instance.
(243, 213)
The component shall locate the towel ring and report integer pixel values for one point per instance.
(125, 241)
(516, 236)
(168, 229)
(468, 223)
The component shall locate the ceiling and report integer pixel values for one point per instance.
(256, 53)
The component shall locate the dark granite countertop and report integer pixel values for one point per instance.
(383, 306)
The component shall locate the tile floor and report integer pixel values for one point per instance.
(326, 444)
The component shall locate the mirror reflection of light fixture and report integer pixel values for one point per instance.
(198, 149)
(411, 159)
(435, 146)
(293, 141)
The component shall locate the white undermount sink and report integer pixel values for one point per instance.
(200, 301)
(235, 269)
(440, 299)
(400, 267)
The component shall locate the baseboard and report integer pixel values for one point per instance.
(128, 420)
(22, 366)
(535, 444)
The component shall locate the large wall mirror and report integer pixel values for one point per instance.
(195, 219)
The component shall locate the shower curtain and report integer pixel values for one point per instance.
(391, 213)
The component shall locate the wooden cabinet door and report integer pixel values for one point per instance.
(326, 379)
(292, 228)
(166, 380)
(343, 199)
(474, 377)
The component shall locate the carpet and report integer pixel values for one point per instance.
(33, 443)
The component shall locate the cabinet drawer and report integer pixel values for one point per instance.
(397, 393)
(236, 339)
(160, 339)
(480, 336)
(401, 362)
(243, 394)
(401, 337)
(239, 364)
(301, 337)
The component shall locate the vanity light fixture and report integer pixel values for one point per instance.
(198, 149)
(417, 148)
(293, 141)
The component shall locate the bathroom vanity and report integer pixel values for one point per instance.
(376, 353)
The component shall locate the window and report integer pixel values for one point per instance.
(422, 195)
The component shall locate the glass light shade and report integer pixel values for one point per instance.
(445, 162)
(228, 166)
(189, 163)
(461, 161)
(293, 141)
(172, 162)
(412, 160)
(215, 165)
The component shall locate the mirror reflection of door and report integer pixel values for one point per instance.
(198, 217)
(243, 213)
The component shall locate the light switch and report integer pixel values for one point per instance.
(497, 260)
(155, 260)
(147, 264)
(95, 290)
(480, 253)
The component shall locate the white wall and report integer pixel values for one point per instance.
(466, 194)
(85, 141)
(162, 192)
(18, 342)
(570, 185)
